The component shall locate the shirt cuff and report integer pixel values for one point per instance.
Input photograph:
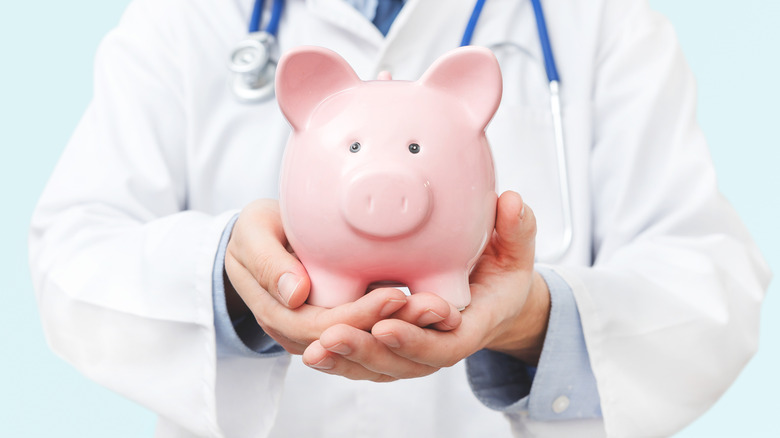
(242, 336)
(562, 387)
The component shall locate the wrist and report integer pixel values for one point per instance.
(524, 336)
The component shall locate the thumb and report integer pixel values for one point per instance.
(515, 231)
(258, 245)
(280, 273)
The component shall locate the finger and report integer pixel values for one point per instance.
(429, 347)
(317, 357)
(452, 321)
(515, 231)
(427, 309)
(303, 325)
(365, 311)
(362, 349)
(265, 308)
(254, 295)
(259, 244)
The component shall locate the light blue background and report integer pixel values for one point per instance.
(46, 51)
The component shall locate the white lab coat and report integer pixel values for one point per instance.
(666, 279)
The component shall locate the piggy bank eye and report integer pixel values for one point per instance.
(354, 147)
(414, 148)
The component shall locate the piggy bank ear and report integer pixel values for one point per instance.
(471, 74)
(305, 77)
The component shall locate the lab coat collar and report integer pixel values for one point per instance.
(343, 15)
(365, 7)
(416, 13)
(419, 18)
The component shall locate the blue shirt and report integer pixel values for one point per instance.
(381, 12)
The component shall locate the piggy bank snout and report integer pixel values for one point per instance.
(386, 203)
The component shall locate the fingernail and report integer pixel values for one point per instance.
(287, 285)
(340, 348)
(325, 364)
(429, 318)
(390, 340)
(522, 211)
(390, 307)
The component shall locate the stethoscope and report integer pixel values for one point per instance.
(253, 63)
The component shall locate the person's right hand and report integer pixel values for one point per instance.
(273, 284)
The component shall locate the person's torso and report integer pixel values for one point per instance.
(235, 150)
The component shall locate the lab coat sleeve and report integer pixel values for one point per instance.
(670, 308)
(122, 268)
(561, 387)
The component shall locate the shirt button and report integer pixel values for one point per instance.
(560, 404)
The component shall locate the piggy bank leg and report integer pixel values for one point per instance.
(329, 289)
(452, 286)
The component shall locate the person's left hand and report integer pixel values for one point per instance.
(509, 311)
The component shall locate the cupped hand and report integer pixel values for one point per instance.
(356, 354)
(264, 278)
(508, 312)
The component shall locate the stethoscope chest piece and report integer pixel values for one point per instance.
(253, 68)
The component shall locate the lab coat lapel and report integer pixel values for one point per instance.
(439, 23)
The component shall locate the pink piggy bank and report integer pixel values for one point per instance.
(388, 181)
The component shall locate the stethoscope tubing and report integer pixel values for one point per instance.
(273, 23)
(544, 39)
(472, 24)
(554, 81)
